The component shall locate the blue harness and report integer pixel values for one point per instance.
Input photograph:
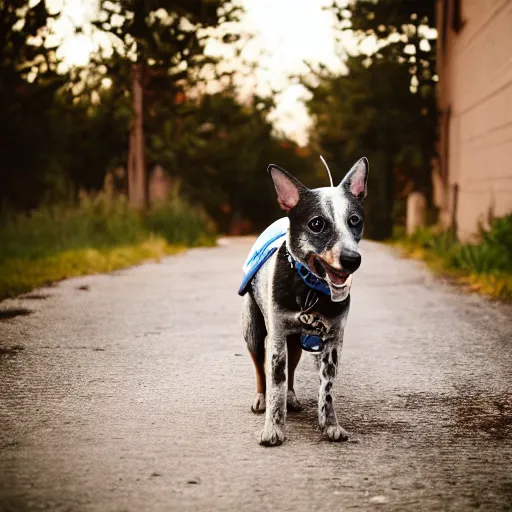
(264, 247)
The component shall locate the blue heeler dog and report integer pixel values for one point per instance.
(297, 294)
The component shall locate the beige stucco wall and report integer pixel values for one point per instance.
(475, 71)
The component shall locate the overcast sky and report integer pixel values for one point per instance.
(286, 33)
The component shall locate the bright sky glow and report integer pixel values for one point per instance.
(73, 30)
(286, 33)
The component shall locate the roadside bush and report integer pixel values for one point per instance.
(178, 223)
(99, 222)
(486, 265)
(440, 243)
(492, 254)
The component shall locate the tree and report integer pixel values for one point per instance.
(88, 121)
(28, 86)
(361, 113)
(404, 30)
(164, 40)
(384, 106)
(218, 149)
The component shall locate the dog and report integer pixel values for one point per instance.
(297, 296)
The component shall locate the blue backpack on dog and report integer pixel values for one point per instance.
(265, 246)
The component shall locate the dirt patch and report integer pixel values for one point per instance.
(488, 414)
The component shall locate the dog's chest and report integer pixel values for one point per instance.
(314, 318)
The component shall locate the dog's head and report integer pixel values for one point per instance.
(326, 224)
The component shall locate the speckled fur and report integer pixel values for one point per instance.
(272, 316)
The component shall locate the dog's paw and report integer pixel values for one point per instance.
(271, 436)
(258, 404)
(336, 433)
(292, 402)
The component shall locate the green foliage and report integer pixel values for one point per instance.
(100, 222)
(19, 275)
(216, 147)
(91, 138)
(53, 229)
(219, 150)
(442, 244)
(383, 107)
(28, 84)
(162, 42)
(177, 222)
(61, 134)
(397, 24)
(485, 265)
(166, 35)
(492, 254)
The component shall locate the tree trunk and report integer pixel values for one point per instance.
(136, 160)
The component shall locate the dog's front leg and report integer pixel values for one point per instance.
(328, 368)
(276, 365)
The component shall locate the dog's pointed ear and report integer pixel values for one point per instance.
(356, 179)
(288, 188)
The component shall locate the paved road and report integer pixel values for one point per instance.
(132, 392)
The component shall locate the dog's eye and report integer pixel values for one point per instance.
(317, 224)
(354, 220)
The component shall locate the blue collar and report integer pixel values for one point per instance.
(310, 342)
(308, 277)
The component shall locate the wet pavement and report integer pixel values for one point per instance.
(132, 391)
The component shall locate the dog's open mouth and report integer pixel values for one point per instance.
(336, 277)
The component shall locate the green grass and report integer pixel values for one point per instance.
(485, 267)
(100, 235)
(19, 275)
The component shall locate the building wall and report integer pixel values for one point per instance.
(475, 96)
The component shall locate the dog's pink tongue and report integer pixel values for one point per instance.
(337, 278)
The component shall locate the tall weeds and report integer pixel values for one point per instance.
(486, 266)
(99, 222)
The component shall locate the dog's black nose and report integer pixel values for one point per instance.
(350, 260)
